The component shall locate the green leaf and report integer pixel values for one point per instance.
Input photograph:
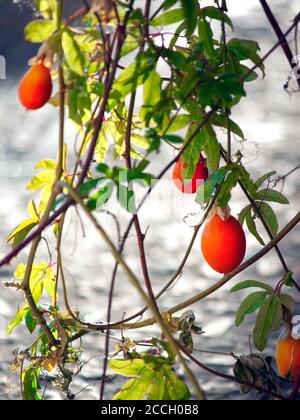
(39, 30)
(252, 283)
(264, 323)
(206, 190)
(278, 315)
(172, 138)
(247, 74)
(246, 50)
(264, 178)
(179, 30)
(131, 43)
(206, 37)
(270, 217)
(73, 54)
(221, 121)
(252, 228)
(154, 380)
(158, 391)
(228, 185)
(132, 77)
(248, 182)
(31, 323)
(176, 389)
(191, 11)
(31, 385)
(243, 214)
(152, 94)
(18, 319)
(271, 195)
(174, 58)
(169, 3)
(85, 189)
(249, 306)
(211, 149)
(191, 154)
(135, 389)
(126, 198)
(168, 18)
(288, 279)
(217, 14)
(101, 197)
(178, 122)
(288, 302)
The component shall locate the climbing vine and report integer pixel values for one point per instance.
(94, 67)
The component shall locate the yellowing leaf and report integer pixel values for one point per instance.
(101, 148)
(32, 211)
(73, 54)
(21, 231)
(42, 276)
(20, 316)
(41, 180)
(48, 8)
(140, 141)
(49, 282)
(46, 164)
(127, 368)
(39, 30)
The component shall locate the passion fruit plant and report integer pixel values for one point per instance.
(203, 78)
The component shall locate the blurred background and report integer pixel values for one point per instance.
(270, 119)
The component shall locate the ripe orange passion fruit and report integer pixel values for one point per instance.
(223, 244)
(200, 176)
(36, 87)
(288, 357)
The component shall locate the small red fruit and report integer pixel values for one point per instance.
(288, 357)
(36, 87)
(223, 244)
(200, 176)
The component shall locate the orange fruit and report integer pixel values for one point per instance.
(223, 244)
(288, 357)
(36, 87)
(200, 176)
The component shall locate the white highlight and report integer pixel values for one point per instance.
(2, 68)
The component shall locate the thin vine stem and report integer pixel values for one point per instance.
(221, 283)
(35, 244)
(127, 158)
(280, 35)
(135, 282)
(233, 379)
(42, 226)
